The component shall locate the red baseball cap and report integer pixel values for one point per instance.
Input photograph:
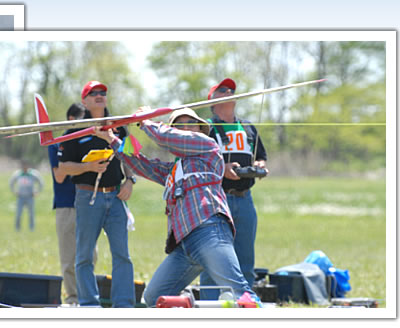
(90, 86)
(227, 82)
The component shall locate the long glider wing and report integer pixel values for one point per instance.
(116, 121)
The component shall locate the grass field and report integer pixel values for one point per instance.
(344, 217)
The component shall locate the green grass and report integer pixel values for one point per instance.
(344, 217)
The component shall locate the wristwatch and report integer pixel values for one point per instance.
(132, 178)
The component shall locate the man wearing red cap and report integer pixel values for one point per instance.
(108, 212)
(241, 146)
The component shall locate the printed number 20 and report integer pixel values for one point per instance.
(239, 141)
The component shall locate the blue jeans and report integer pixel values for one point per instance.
(209, 247)
(245, 219)
(106, 213)
(28, 202)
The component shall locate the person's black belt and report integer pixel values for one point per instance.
(237, 193)
(100, 189)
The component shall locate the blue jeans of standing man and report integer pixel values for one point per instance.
(28, 202)
(245, 218)
(106, 213)
(209, 247)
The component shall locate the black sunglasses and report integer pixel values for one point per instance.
(225, 89)
(189, 123)
(99, 92)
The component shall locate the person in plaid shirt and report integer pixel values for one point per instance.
(200, 226)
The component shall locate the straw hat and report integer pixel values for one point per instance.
(204, 125)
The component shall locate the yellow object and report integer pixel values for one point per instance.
(96, 154)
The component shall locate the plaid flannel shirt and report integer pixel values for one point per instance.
(199, 153)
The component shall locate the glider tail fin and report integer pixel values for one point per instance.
(42, 117)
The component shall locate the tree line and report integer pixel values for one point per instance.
(335, 125)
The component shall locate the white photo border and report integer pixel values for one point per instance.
(388, 36)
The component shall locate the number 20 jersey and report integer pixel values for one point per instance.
(240, 148)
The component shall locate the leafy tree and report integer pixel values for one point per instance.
(354, 92)
(58, 71)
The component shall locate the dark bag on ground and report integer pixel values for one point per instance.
(301, 283)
